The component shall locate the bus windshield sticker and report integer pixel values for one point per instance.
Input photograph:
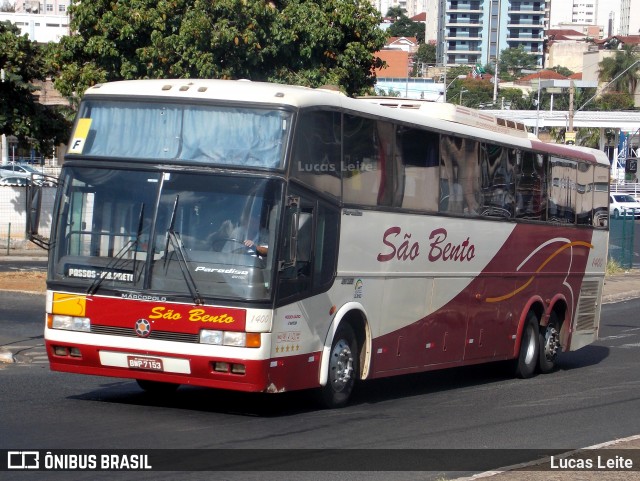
(91, 272)
(80, 136)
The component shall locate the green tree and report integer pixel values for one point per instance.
(613, 101)
(426, 54)
(20, 113)
(513, 61)
(621, 69)
(515, 99)
(306, 42)
(564, 71)
(396, 12)
(585, 137)
(405, 27)
(474, 92)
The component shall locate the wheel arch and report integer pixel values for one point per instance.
(535, 305)
(560, 308)
(355, 315)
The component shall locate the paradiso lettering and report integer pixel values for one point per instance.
(194, 315)
(439, 247)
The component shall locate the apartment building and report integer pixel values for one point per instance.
(470, 32)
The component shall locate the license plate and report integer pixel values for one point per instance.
(146, 363)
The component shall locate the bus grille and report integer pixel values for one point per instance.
(158, 335)
(587, 306)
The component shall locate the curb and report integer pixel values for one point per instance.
(522, 466)
(620, 296)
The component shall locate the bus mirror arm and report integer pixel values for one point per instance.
(34, 207)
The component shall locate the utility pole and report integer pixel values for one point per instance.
(495, 77)
(571, 93)
(444, 61)
(3, 147)
(570, 135)
(535, 132)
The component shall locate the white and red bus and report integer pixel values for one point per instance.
(267, 238)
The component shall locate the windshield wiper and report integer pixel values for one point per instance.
(114, 262)
(175, 240)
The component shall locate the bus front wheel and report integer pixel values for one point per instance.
(343, 369)
(550, 344)
(527, 359)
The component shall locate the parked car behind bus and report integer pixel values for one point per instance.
(624, 204)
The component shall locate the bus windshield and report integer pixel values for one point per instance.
(212, 134)
(196, 235)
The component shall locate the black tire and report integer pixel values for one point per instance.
(343, 369)
(528, 357)
(550, 346)
(156, 387)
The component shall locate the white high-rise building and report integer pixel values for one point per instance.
(411, 7)
(629, 17)
(43, 7)
(614, 17)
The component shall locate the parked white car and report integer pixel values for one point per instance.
(15, 181)
(22, 169)
(624, 204)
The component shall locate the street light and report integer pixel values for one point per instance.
(461, 92)
(446, 87)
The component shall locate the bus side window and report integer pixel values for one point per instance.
(316, 251)
(459, 175)
(498, 181)
(316, 151)
(419, 151)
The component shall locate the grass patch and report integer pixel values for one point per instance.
(614, 267)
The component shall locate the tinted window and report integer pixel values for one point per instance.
(419, 152)
(459, 176)
(316, 151)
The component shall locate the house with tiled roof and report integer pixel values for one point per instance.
(408, 44)
(559, 34)
(397, 63)
(542, 75)
(616, 42)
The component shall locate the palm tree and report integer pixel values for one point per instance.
(622, 69)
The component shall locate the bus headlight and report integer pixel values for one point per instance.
(237, 339)
(71, 323)
(210, 337)
(230, 338)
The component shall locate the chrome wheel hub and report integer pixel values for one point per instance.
(341, 365)
(551, 342)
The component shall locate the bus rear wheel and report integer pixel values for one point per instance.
(527, 361)
(550, 344)
(343, 369)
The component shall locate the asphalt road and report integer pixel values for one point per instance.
(20, 265)
(594, 397)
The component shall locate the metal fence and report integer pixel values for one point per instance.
(626, 188)
(622, 241)
(13, 216)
